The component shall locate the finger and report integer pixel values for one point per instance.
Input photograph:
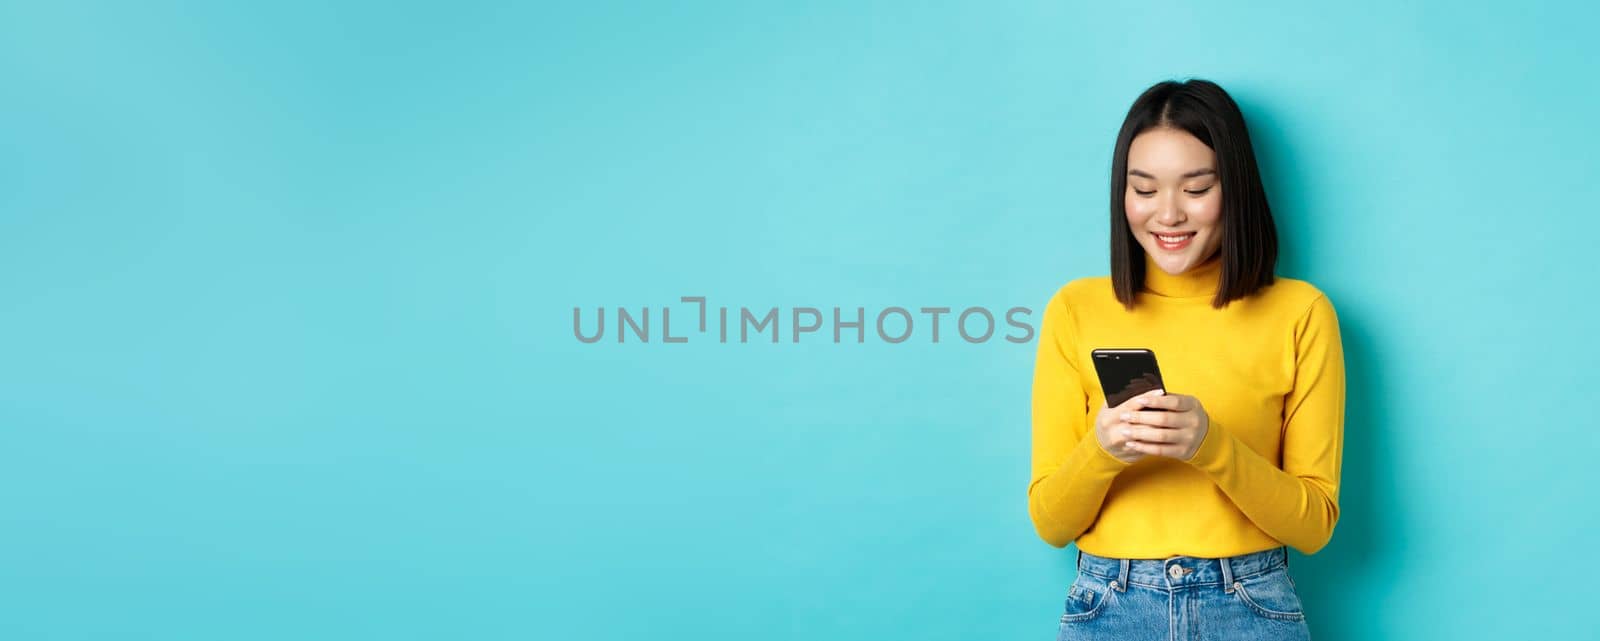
(1169, 402)
(1123, 432)
(1157, 435)
(1157, 419)
(1136, 402)
(1152, 401)
(1120, 440)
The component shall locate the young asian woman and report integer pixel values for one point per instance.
(1183, 502)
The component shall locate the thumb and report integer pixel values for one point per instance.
(1133, 401)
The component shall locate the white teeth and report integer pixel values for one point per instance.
(1173, 239)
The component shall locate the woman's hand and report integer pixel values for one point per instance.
(1175, 433)
(1113, 432)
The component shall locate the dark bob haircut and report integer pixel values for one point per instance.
(1249, 245)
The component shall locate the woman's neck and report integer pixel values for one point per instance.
(1196, 282)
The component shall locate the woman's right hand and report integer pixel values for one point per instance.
(1108, 427)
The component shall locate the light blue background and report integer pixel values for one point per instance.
(286, 346)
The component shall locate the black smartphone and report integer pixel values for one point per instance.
(1126, 373)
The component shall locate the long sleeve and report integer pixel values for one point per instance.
(1299, 503)
(1071, 471)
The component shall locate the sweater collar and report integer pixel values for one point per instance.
(1198, 281)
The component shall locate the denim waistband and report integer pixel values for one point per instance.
(1176, 571)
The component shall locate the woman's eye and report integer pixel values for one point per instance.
(1144, 193)
(1197, 192)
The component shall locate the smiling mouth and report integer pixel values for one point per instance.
(1173, 241)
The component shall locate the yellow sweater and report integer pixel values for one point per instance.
(1268, 369)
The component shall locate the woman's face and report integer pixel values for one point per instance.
(1174, 198)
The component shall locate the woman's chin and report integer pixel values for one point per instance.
(1171, 262)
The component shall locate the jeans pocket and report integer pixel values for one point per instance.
(1086, 598)
(1271, 594)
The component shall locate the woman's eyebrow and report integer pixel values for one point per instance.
(1191, 174)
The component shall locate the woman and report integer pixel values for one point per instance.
(1182, 516)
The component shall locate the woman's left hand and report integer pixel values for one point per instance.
(1175, 433)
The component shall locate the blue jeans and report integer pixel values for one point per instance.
(1184, 598)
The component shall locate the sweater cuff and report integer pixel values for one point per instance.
(1099, 458)
(1215, 451)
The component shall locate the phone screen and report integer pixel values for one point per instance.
(1126, 373)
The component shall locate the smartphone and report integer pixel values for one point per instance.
(1126, 373)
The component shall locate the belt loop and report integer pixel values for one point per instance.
(1122, 578)
(1227, 575)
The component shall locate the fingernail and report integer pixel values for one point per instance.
(1127, 432)
(1144, 401)
(1127, 416)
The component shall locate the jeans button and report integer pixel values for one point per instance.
(1175, 571)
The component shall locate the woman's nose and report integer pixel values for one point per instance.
(1169, 214)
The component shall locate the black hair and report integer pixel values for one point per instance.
(1249, 245)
